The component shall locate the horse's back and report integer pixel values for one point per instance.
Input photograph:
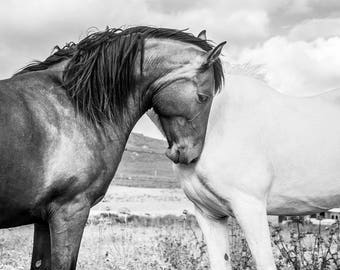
(332, 96)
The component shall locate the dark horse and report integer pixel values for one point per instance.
(65, 122)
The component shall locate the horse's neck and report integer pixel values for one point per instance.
(136, 105)
(241, 93)
(51, 99)
(166, 60)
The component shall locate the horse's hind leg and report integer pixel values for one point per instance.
(41, 256)
(66, 226)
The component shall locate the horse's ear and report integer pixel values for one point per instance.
(213, 54)
(202, 35)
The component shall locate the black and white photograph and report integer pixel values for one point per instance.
(170, 135)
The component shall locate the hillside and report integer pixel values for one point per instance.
(145, 165)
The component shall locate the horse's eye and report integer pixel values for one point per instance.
(202, 98)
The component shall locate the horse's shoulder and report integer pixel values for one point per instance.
(334, 93)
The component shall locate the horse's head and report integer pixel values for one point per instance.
(114, 76)
(182, 97)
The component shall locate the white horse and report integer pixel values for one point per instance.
(264, 153)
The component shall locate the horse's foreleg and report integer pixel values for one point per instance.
(216, 237)
(252, 216)
(41, 256)
(66, 227)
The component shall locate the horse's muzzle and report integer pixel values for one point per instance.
(180, 154)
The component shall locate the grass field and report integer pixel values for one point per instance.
(154, 234)
(171, 242)
(166, 243)
(143, 201)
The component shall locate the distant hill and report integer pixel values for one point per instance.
(145, 165)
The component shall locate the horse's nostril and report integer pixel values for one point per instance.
(194, 160)
(173, 153)
(181, 148)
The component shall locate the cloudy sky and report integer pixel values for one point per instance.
(294, 43)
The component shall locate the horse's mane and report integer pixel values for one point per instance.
(99, 77)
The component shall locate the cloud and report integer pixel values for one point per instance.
(286, 14)
(284, 36)
(243, 27)
(299, 7)
(30, 29)
(298, 67)
(315, 28)
(175, 6)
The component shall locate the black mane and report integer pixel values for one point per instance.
(99, 77)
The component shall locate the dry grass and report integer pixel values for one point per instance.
(302, 245)
(142, 243)
(177, 243)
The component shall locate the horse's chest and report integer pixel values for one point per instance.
(202, 196)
